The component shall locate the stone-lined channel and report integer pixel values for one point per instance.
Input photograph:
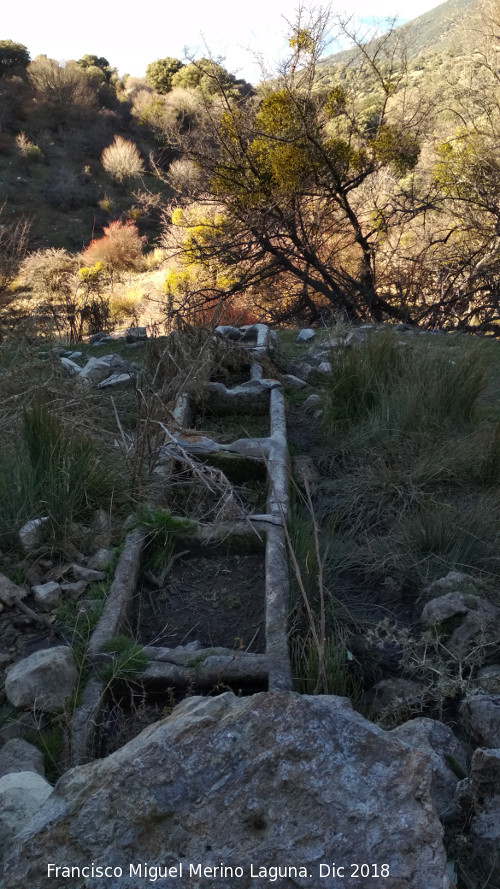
(219, 619)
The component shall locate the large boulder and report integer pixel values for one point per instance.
(448, 759)
(43, 681)
(21, 795)
(274, 779)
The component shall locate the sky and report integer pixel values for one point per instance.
(131, 33)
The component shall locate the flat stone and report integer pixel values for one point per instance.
(294, 382)
(70, 366)
(87, 574)
(117, 381)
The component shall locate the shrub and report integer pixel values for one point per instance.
(65, 94)
(120, 247)
(55, 472)
(28, 150)
(122, 160)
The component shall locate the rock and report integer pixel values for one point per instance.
(301, 369)
(442, 608)
(97, 337)
(389, 696)
(22, 794)
(136, 334)
(488, 678)
(98, 369)
(76, 589)
(87, 574)
(30, 532)
(294, 382)
(480, 795)
(444, 748)
(101, 559)
(73, 356)
(10, 593)
(17, 755)
(230, 333)
(43, 681)
(355, 338)
(478, 620)
(117, 381)
(403, 327)
(18, 727)
(305, 335)
(269, 779)
(481, 714)
(452, 579)
(311, 401)
(324, 368)
(47, 595)
(70, 366)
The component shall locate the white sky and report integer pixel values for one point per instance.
(130, 33)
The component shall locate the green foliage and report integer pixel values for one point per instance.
(159, 74)
(209, 78)
(91, 63)
(415, 466)
(54, 472)
(128, 659)
(407, 390)
(13, 57)
(162, 528)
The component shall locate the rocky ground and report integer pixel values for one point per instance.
(302, 781)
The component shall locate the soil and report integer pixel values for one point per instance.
(216, 600)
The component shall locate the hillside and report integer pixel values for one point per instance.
(437, 31)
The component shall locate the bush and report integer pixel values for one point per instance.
(120, 248)
(28, 150)
(122, 160)
(54, 472)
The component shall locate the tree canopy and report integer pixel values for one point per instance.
(293, 178)
(13, 56)
(159, 74)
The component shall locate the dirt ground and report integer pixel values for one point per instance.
(216, 600)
